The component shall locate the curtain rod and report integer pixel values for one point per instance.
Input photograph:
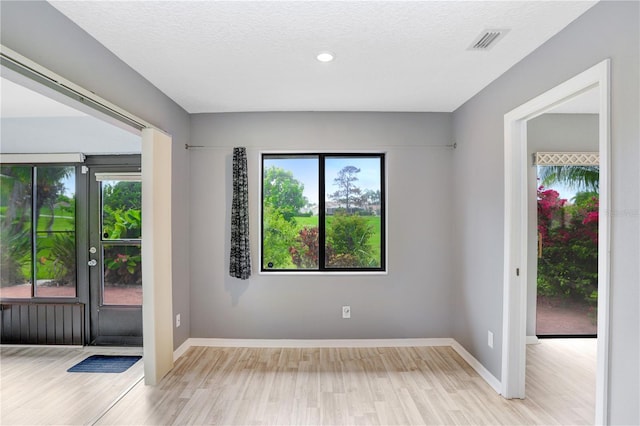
(450, 146)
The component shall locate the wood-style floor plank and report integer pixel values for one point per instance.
(35, 388)
(305, 386)
(360, 386)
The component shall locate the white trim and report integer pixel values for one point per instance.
(65, 157)
(120, 176)
(317, 343)
(604, 245)
(515, 255)
(182, 349)
(532, 340)
(342, 343)
(477, 366)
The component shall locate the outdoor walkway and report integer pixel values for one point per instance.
(564, 317)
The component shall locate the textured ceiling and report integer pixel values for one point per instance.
(220, 56)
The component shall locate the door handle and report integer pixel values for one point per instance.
(92, 262)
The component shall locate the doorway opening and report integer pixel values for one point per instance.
(567, 249)
(517, 251)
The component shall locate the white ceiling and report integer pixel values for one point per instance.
(223, 56)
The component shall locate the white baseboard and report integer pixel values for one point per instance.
(184, 347)
(317, 343)
(342, 343)
(479, 368)
(532, 340)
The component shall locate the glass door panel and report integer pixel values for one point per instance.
(37, 231)
(121, 233)
(122, 274)
(16, 260)
(55, 236)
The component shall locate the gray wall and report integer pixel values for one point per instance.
(608, 30)
(65, 134)
(549, 133)
(42, 34)
(412, 300)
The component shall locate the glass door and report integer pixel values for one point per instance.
(115, 256)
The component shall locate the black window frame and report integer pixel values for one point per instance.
(321, 156)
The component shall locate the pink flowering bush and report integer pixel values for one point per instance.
(568, 262)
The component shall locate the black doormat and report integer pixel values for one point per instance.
(105, 364)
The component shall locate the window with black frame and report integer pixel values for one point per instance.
(323, 212)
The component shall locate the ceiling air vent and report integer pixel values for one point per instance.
(487, 39)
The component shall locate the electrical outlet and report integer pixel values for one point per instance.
(490, 339)
(177, 320)
(346, 312)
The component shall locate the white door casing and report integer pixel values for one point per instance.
(515, 231)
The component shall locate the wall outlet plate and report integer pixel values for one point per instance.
(177, 320)
(346, 312)
(490, 339)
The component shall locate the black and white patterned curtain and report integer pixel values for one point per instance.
(240, 257)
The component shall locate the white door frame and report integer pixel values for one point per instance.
(515, 231)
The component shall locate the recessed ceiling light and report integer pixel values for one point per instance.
(325, 56)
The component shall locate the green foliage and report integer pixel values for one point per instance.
(122, 224)
(295, 245)
(15, 257)
(349, 236)
(60, 264)
(282, 192)
(581, 178)
(568, 265)
(279, 235)
(123, 264)
(124, 195)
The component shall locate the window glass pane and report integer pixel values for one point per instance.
(353, 225)
(15, 231)
(290, 212)
(122, 275)
(121, 210)
(55, 237)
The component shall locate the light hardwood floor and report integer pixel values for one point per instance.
(369, 386)
(35, 388)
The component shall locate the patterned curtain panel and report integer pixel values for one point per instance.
(240, 258)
